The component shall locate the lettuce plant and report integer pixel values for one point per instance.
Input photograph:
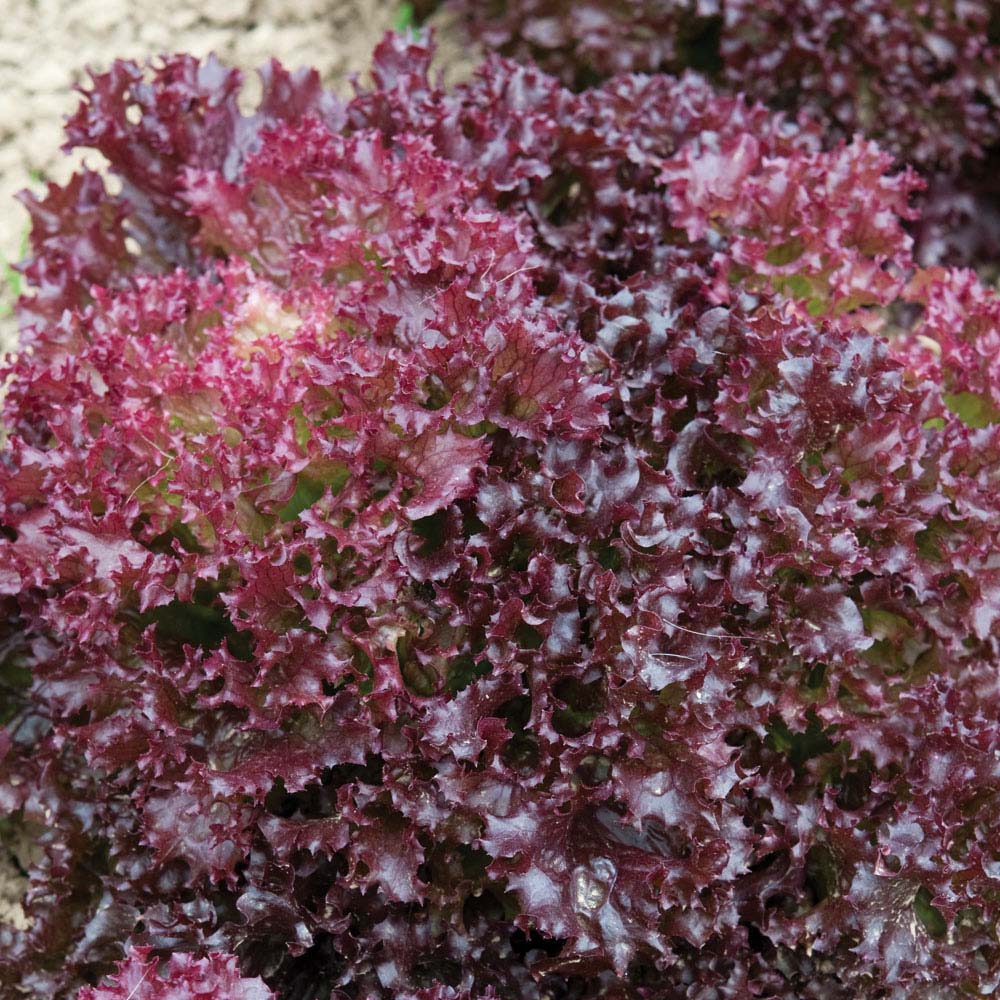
(140, 977)
(495, 542)
(920, 78)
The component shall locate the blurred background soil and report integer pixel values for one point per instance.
(45, 46)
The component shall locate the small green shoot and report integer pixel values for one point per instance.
(404, 17)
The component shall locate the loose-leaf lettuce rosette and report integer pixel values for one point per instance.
(495, 542)
(918, 77)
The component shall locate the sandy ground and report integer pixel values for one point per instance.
(44, 46)
(12, 885)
